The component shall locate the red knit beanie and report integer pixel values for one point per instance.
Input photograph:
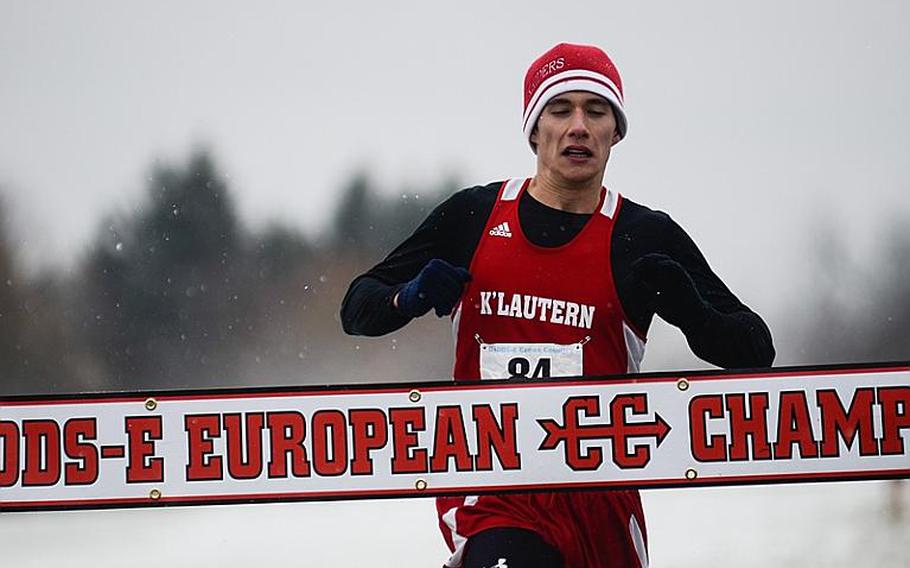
(569, 67)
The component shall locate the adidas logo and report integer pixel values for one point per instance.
(501, 230)
(500, 564)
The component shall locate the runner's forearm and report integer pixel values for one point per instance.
(367, 308)
(736, 340)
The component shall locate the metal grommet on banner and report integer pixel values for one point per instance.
(421, 485)
(691, 474)
(154, 494)
(682, 384)
(151, 404)
(414, 395)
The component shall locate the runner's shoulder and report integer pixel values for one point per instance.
(635, 214)
(652, 229)
(472, 201)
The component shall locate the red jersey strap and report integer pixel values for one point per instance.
(611, 203)
(512, 188)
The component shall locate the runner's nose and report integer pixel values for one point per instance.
(578, 126)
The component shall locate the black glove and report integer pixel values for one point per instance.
(671, 289)
(439, 285)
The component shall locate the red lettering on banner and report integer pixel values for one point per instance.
(640, 454)
(838, 424)
(9, 439)
(753, 425)
(330, 443)
(895, 403)
(369, 432)
(406, 458)
(201, 430)
(451, 441)
(572, 433)
(569, 433)
(705, 449)
(493, 437)
(142, 431)
(794, 426)
(589, 407)
(75, 431)
(42, 452)
(238, 444)
(287, 433)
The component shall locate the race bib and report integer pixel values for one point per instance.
(530, 360)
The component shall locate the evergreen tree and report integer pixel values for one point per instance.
(11, 315)
(167, 304)
(860, 311)
(355, 219)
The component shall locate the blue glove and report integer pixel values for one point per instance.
(673, 293)
(439, 285)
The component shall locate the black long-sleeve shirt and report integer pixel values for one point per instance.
(732, 336)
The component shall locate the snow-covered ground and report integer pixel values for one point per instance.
(810, 525)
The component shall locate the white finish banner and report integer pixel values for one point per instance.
(648, 430)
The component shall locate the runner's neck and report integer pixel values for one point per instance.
(580, 199)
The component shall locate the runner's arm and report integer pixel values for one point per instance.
(731, 335)
(450, 232)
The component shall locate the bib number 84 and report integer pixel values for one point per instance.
(530, 360)
(520, 367)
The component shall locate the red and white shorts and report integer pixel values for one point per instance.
(591, 529)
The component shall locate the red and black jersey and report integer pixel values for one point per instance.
(560, 299)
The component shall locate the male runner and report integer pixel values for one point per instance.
(560, 262)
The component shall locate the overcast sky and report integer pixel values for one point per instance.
(752, 123)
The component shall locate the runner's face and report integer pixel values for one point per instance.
(574, 135)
